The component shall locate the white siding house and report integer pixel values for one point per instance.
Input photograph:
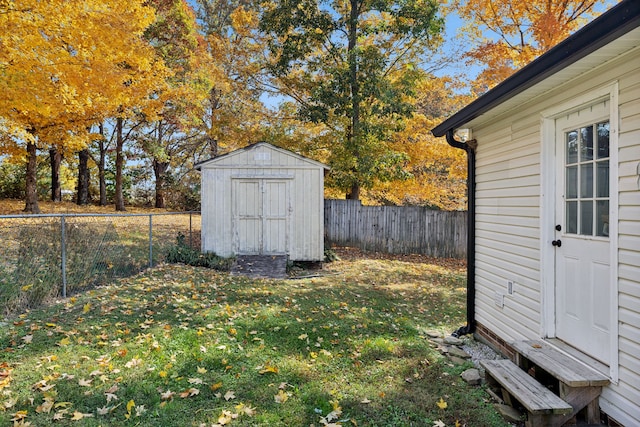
(555, 156)
(263, 200)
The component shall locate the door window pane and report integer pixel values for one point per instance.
(572, 182)
(572, 147)
(602, 179)
(602, 218)
(572, 217)
(586, 180)
(586, 218)
(586, 148)
(603, 140)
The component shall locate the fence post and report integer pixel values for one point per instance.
(150, 241)
(190, 230)
(63, 255)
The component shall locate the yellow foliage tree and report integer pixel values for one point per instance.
(175, 38)
(436, 171)
(233, 113)
(508, 34)
(65, 65)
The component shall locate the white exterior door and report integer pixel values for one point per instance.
(261, 211)
(582, 244)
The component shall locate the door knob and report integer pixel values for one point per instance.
(557, 243)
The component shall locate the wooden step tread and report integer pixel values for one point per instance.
(530, 393)
(562, 366)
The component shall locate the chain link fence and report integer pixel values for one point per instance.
(46, 256)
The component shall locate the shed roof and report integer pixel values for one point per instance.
(611, 34)
(199, 165)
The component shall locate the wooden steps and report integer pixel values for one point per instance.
(551, 386)
(519, 385)
(561, 366)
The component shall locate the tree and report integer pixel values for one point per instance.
(176, 40)
(55, 157)
(64, 66)
(233, 114)
(352, 66)
(84, 177)
(508, 34)
(101, 144)
(436, 172)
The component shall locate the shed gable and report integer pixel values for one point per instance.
(261, 155)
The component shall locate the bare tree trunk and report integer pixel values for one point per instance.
(31, 189)
(101, 177)
(101, 167)
(213, 147)
(354, 193)
(353, 134)
(55, 158)
(214, 99)
(119, 196)
(160, 169)
(82, 197)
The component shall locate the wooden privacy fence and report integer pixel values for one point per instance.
(396, 229)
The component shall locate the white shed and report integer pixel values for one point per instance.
(554, 172)
(263, 200)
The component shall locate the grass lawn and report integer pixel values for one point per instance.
(185, 346)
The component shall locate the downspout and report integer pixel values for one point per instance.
(470, 148)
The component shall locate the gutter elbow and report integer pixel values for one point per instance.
(468, 146)
(452, 141)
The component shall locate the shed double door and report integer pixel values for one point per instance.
(261, 216)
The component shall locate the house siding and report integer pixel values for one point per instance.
(508, 218)
(507, 226)
(305, 183)
(625, 397)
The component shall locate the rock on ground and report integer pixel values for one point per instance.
(471, 376)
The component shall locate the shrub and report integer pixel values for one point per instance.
(12, 181)
(185, 254)
(330, 255)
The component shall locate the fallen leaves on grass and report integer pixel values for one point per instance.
(190, 393)
(281, 397)
(267, 368)
(217, 338)
(334, 415)
(442, 404)
(77, 416)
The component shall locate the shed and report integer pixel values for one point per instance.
(554, 203)
(263, 200)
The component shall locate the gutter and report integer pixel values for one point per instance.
(470, 148)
